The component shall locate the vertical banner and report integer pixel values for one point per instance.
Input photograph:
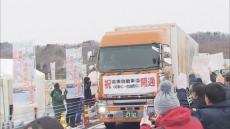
(216, 61)
(52, 69)
(23, 71)
(74, 72)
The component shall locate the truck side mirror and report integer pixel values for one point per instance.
(167, 58)
(91, 55)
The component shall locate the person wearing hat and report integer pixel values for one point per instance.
(168, 112)
(57, 101)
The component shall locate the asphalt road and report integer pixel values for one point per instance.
(119, 126)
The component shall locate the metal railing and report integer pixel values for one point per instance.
(70, 110)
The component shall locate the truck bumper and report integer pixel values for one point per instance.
(118, 114)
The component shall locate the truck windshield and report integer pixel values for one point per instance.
(128, 58)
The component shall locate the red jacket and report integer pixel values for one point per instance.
(177, 118)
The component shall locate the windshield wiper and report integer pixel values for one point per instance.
(120, 70)
(149, 67)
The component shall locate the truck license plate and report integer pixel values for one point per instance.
(130, 114)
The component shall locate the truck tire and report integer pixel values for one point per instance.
(110, 125)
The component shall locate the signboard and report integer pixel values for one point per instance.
(23, 68)
(74, 71)
(203, 63)
(73, 64)
(130, 84)
(73, 91)
(21, 96)
(200, 67)
(23, 72)
(216, 61)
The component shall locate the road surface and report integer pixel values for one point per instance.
(119, 126)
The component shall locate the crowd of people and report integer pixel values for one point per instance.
(209, 107)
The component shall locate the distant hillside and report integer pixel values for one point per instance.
(6, 50)
(56, 53)
(213, 42)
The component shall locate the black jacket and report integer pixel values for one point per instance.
(198, 103)
(87, 91)
(182, 96)
(214, 117)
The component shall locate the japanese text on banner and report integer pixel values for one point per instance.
(74, 69)
(23, 71)
(130, 84)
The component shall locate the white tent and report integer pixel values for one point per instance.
(23, 113)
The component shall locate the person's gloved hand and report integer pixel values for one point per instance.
(145, 120)
(182, 81)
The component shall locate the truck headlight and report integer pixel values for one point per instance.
(102, 109)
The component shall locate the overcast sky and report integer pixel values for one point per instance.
(74, 21)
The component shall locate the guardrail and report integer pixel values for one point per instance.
(70, 111)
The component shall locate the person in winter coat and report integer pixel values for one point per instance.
(87, 89)
(168, 112)
(217, 113)
(198, 96)
(57, 101)
(87, 92)
(197, 93)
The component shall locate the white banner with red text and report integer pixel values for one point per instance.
(137, 84)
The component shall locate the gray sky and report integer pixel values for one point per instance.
(73, 21)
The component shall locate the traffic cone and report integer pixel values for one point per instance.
(63, 121)
(86, 115)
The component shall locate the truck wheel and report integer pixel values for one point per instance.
(110, 125)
